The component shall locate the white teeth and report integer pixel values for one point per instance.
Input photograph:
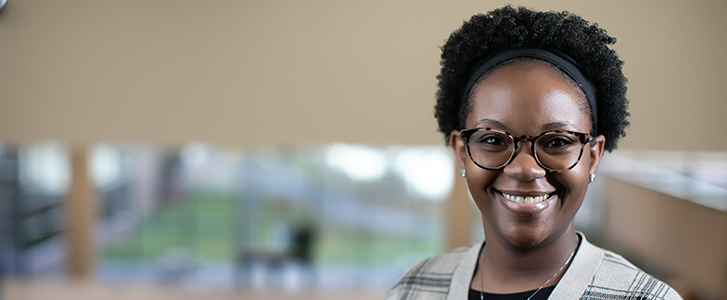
(525, 200)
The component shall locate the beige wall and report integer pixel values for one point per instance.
(679, 237)
(243, 72)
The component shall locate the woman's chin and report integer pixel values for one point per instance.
(526, 239)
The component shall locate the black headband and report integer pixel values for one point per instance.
(560, 60)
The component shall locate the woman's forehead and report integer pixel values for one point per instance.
(526, 97)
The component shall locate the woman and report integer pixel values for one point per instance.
(529, 101)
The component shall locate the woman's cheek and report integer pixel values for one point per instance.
(479, 183)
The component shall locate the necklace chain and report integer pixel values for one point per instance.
(482, 295)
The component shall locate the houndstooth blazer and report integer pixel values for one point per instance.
(595, 273)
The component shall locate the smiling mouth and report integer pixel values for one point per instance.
(525, 199)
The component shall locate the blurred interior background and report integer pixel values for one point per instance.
(276, 149)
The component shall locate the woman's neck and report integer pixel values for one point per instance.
(503, 268)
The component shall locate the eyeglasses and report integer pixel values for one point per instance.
(555, 151)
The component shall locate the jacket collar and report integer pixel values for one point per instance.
(571, 286)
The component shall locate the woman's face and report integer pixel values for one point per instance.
(527, 100)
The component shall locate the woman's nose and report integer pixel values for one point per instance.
(523, 166)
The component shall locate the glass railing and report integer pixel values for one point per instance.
(700, 177)
(328, 217)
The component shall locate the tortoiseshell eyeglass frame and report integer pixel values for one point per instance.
(583, 138)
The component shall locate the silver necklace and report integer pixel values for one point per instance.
(482, 295)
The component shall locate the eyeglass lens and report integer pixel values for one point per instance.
(555, 151)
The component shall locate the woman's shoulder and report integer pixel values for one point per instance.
(429, 277)
(620, 279)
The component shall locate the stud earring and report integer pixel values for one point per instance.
(593, 177)
(463, 173)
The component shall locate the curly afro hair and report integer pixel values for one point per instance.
(510, 27)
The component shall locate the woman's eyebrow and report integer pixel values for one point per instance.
(557, 126)
(545, 127)
(490, 123)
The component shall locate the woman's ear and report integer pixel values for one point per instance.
(459, 148)
(596, 150)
